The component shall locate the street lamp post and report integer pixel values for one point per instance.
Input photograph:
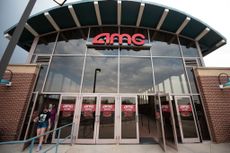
(16, 35)
(95, 78)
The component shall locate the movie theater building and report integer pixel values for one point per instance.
(121, 72)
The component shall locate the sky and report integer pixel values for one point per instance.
(212, 12)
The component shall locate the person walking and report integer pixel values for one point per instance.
(43, 122)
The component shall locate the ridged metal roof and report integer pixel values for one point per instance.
(141, 14)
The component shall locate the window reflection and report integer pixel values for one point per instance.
(164, 44)
(170, 75)
(102, 51)
(136, 75)
(41, 78)
(46, 44)
(72, 42)
(64, 74)
(188, 47)
(106, 79)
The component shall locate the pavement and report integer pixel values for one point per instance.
(150, 148)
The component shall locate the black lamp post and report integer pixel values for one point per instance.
(95, 78)
(17, 33)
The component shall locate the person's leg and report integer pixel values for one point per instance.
(42, 137)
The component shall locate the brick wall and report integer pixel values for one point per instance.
(13, 103)
(216, 103)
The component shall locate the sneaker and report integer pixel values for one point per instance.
(39, 148)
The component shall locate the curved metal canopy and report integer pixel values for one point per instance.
(129, 13)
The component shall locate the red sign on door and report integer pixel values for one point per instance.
(185, 108)
(88, 107)
(67, 107)
(128, 108)
(107, 108)
(165, 108)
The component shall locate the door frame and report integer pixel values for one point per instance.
(54, 140)
(173, 119)
(186, 140)
(125, 141)
(116, 122)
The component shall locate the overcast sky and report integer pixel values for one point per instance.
(215, 13)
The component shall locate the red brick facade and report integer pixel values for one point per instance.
(13, 104)
(216, 103)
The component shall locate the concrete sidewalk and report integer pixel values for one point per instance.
(183, 148)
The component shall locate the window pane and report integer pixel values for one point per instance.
(72, 42)
(201, 118)
(188, 47)
(95, 31)
(46, 44)
(105, 69)
(192, 79)
(102, 51)
(134, 51)
(164, 44)
(64, 74)
(136, 75)
(41, 78)
(170, 75)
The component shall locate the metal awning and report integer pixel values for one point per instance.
(86, 13)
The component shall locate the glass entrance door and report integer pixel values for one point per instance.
(129, 132)
(168, 121)
(107, 120)
(159, 123)
(87, 119)
(187, 122)
(66, 115)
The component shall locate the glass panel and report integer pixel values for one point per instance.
(72, 42)
(192, 79)
(41, 78)
(66, 115)
(87, 118)
(46, 44)
(188, 47)
(147, 122)
(170, 75)
(168, 120)
(64, 74)
(136, 75)
(107, 118)
(134, 51)
(95, 31)
(164, 44)
(128, 118)
(159, 123)
(201, 118)
(102, 51)
(187, 118)
(100, 75)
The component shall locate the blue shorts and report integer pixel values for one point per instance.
(42, 125)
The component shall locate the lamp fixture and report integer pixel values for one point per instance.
(60, 2)
(226, 84)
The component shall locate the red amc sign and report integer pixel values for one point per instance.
(108, 39)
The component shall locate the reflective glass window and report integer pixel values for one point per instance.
(72, 42)
(64, 74)
(102, 51)
(164, 44)
(201, 118)
(46, 44)
(100, 75)
(41, 78)
(192, 80)
(136, 75)
(132, 49)
(95, 31)
(170, 75)
(188, 47)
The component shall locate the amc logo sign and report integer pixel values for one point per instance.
(108, 39)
